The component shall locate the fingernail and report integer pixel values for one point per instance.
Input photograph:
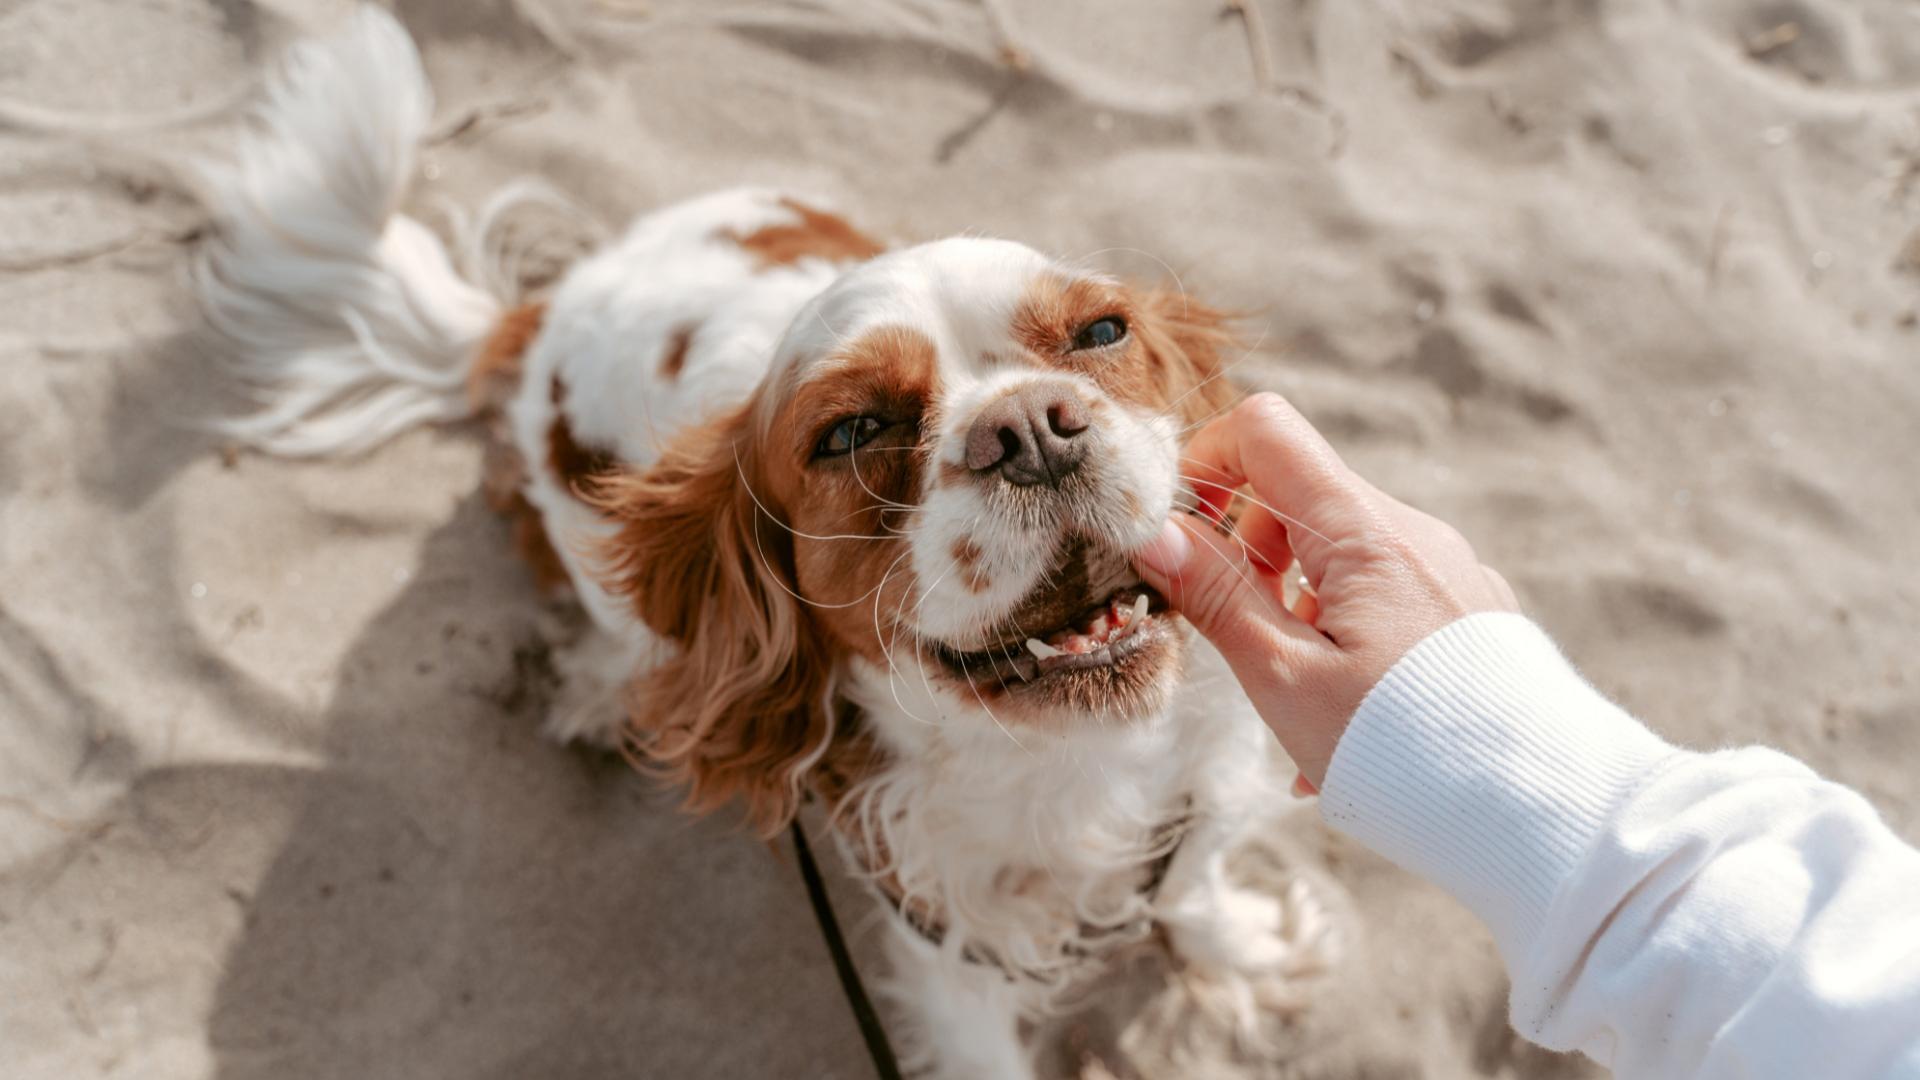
(1167, 552)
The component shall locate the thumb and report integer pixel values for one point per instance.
(1206, 578)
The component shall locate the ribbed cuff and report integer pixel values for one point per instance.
(1484, 763)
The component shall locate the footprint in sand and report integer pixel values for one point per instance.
(1441, 356)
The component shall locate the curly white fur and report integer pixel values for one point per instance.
(347, 317)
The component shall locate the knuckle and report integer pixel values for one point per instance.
(1266, 407)
(1384, 536)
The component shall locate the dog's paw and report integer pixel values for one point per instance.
(1246, 959)
(589, 722)
(1245, 964)
(587, 708)
(1254, 935)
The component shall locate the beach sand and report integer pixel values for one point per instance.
(1626, 290)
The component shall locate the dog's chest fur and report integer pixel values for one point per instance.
(1041, 852)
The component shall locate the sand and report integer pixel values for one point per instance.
(1626, 290)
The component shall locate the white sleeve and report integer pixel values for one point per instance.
(1671, 914)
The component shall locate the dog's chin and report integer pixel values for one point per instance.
(1091, 644)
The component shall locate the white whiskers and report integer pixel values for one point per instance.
(1289, 519)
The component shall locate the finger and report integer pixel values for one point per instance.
(1266, 540)
(1500, 587)
(1306, 608)
(1211, 489)
(1210, 497)
(1205, 577)
(1266, 444)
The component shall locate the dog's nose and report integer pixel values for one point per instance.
(1030, 435)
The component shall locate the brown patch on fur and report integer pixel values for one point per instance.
(574, 463)
(952, 473)
(495, 375)
(1169, 360)
(491, 384)
(967, 555)
(712, 547)
(1056, 307)
(532, 544)
(817, 235)
(674, 360)
(890, 372)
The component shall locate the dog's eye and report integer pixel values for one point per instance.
(848, 434)
(1100, 333)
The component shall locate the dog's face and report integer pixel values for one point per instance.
(937, 487)
(967, 440)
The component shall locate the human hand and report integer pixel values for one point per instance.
(1383, 575)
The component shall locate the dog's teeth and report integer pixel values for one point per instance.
(1041, 650)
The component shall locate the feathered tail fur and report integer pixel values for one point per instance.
(347, 318)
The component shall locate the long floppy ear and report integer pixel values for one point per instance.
(740, 712)
(1191, 343)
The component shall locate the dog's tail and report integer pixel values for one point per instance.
(347, 318)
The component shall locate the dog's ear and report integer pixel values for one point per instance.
(1190, 343)
(740, 710)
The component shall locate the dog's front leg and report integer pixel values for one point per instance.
(962, 1019)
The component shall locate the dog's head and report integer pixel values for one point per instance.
(934, 490)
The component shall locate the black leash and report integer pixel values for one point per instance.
(875, 1036)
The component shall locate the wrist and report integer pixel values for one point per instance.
(1483, 762)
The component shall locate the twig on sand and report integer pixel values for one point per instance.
(31, 809)
(1012, 53)
(486, 115)
(1267, 81)
(42, 120)
(1257, 46)
(1266, 73)
(28, 264)
(1773, 39)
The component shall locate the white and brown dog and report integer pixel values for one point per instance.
(847, 521)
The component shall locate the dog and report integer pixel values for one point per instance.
(850, 523)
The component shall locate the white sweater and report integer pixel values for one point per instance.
(1672, 914)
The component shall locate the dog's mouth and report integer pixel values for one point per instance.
(1104, 635)
(1090, 638)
